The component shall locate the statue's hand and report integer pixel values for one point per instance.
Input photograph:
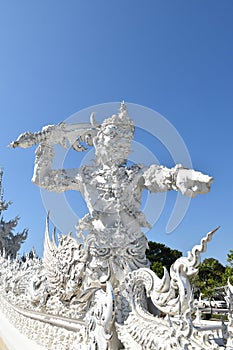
(190, 182)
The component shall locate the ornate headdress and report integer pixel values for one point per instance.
(121, 119)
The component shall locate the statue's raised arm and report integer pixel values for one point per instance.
(111, 140)
(75, 135)
(189, 182)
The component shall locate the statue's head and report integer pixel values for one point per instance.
(114, 136)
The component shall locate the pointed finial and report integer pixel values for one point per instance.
(1, 176)
(123, 108)
(121, 119)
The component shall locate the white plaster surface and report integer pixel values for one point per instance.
(13, 339)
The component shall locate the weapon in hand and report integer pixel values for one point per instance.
(59, 134)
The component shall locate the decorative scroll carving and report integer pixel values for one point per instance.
(140, 323)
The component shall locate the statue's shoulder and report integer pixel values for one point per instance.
(135, 169)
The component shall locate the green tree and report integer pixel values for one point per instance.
(228, 275)
(210, 276)
(230, 258)
(157, 267)
(160, 255)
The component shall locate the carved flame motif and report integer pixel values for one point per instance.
(64, 264)
(144, 297)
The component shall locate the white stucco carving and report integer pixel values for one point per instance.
(10, 242)
(100, 293)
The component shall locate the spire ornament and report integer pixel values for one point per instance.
(121, 119)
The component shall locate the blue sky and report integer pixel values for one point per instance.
(175, 57)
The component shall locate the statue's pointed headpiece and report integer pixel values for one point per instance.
(121, 119)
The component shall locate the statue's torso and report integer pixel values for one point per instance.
(112, 190)
(113, 197)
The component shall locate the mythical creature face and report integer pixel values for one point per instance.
(112, 143)
(24, 140)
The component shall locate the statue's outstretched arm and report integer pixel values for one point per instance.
(189, 182)
(58, 180)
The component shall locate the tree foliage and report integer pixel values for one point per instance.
(211, 273)
(230, 258)
(228, 275)
(161, 256)
(209, 277)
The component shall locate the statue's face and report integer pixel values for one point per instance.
(114, 142)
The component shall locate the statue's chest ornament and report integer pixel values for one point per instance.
(112, 184)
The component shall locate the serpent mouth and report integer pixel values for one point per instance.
(13, 144)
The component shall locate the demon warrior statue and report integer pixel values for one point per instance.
(111, 263)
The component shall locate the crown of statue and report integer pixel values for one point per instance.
(121, 119)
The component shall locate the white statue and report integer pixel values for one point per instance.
(102, 286)
(111, 189)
